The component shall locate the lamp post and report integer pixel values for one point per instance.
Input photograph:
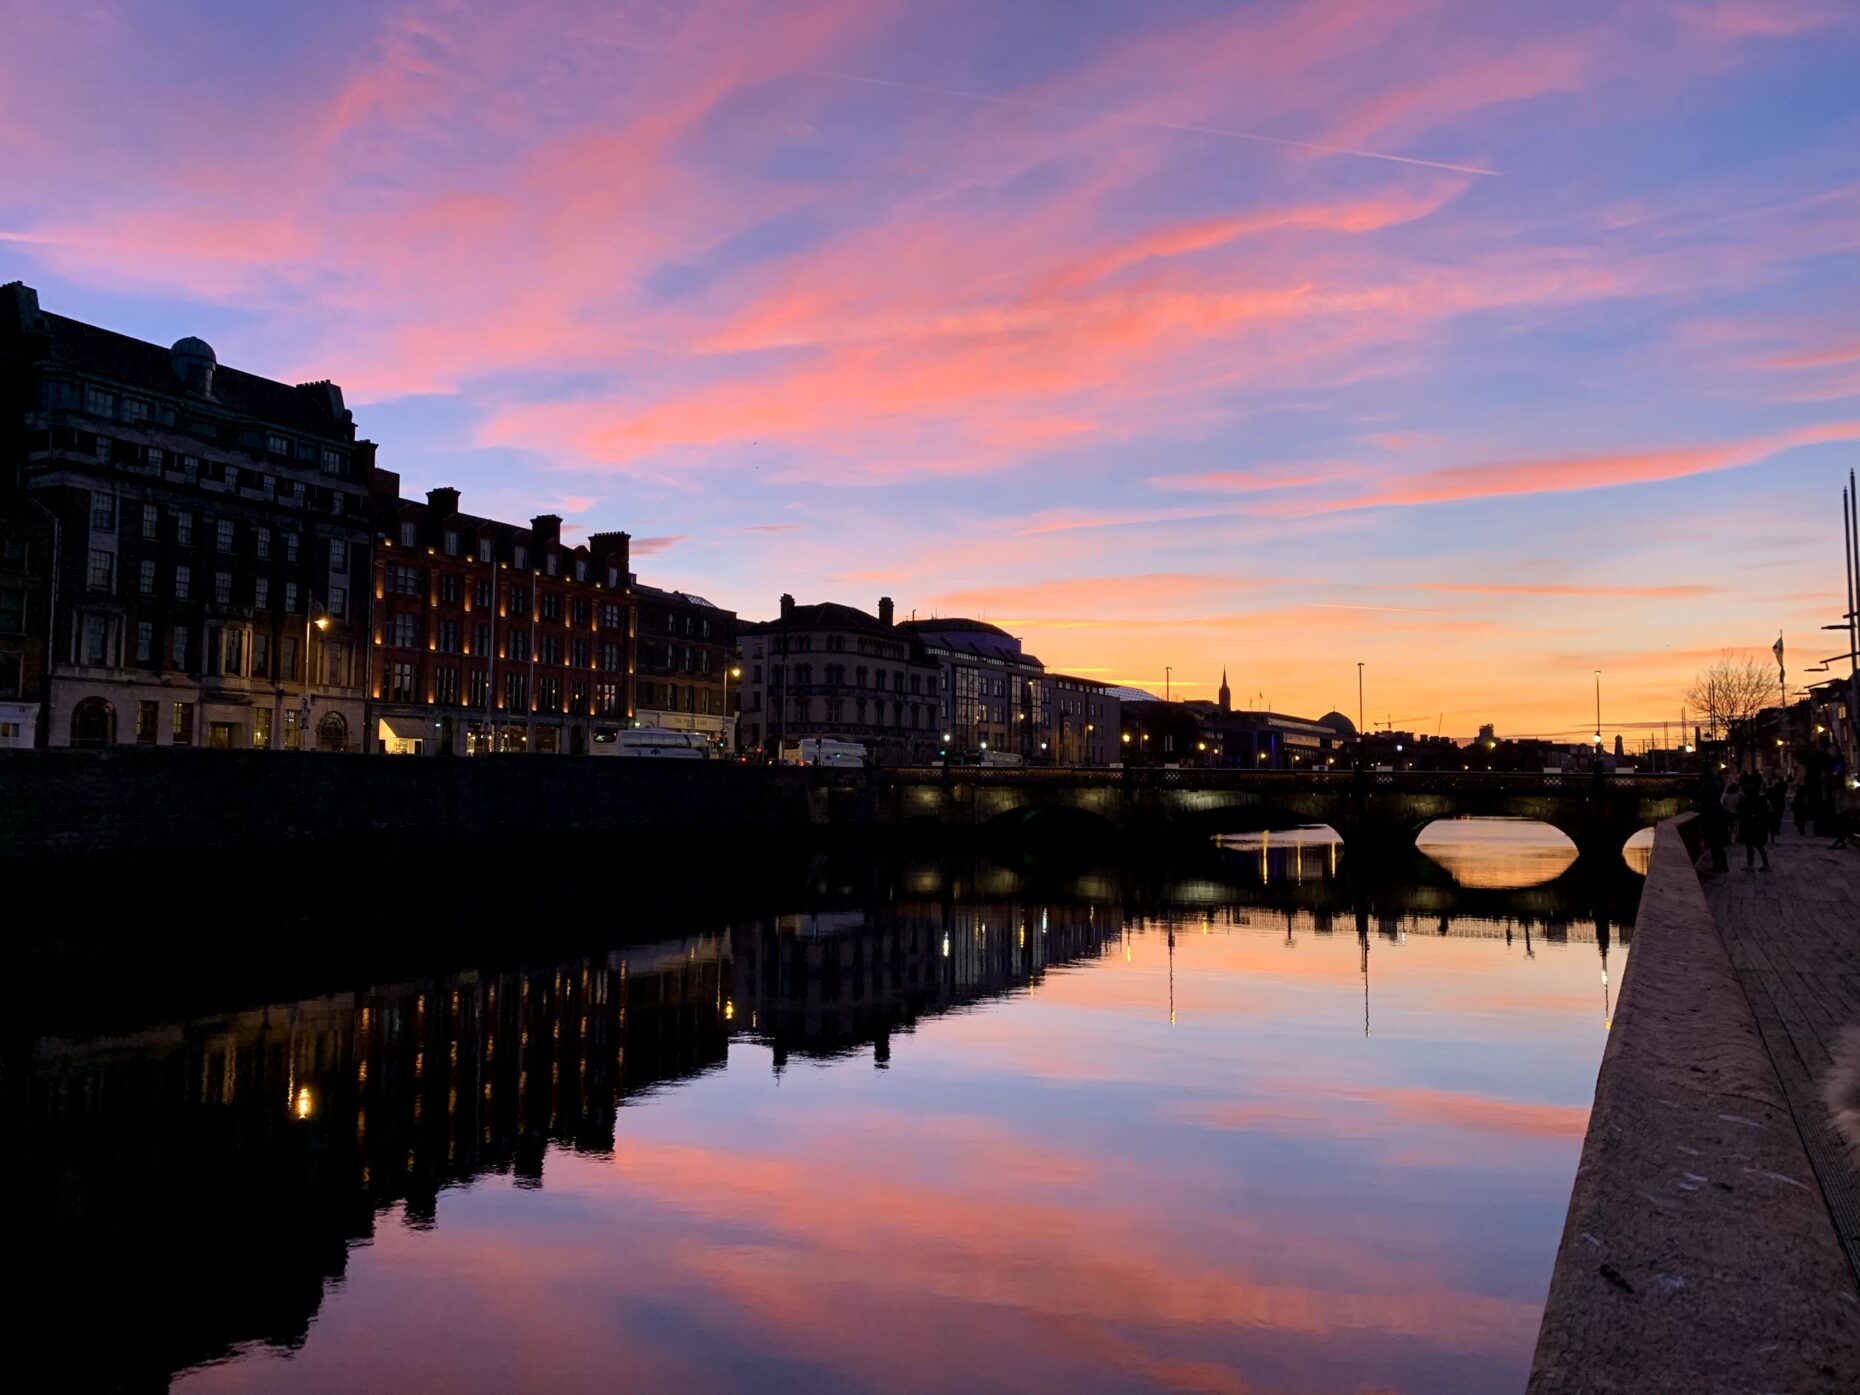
(1359, 712)
(733, 671)
(1168, 678)
(312, 623)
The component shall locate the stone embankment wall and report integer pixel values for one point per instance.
(1698, 1254)
(127, 800)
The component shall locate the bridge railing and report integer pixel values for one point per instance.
(1162, 777)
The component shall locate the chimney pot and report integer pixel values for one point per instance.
(787, 606)
(885, 610)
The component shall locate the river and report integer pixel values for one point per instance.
(1246, 1123)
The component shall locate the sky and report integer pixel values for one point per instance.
(1485, 346)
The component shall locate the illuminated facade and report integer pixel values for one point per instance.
(494, 637)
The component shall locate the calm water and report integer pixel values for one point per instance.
(1252, 1126)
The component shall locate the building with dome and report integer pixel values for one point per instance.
(207, 571)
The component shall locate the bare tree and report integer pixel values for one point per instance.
(1730, 695)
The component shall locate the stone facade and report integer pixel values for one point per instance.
(683, 675)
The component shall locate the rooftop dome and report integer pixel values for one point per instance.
(1338, 723)
(194, 362)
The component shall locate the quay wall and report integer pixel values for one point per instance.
(1698, 1253)
(144, 801)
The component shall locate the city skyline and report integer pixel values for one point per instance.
(1484, 351)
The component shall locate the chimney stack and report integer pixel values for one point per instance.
(546, 528)
(885, 611)
(444, 502)
(787, 606)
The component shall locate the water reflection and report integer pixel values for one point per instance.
(1131, 1133)
(1497, 852)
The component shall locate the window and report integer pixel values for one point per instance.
(287, 661)
(222, 588)
(278, 445)
(451, 541)
(177, 648)
(339, 557)
(135, 409)
(610, 616)
(294, 729)
(400, 682)
(409, 532)
(261, 728)
(613, 578)
(290, 547)
(332, 462)
(338, 600)
(102, 511)
(261, 593)
(481, 594)
(486, 550)
(551, 562)
(102, 446)
(261, 542)
(183, 528)
(102, 574)
(446, 686)
(147, 715)
(448, 636)
(404, 632)
(516, 692)
(549, 694)
(99, 403)
(551, 649)
(645, 694)
(607, 699)
(290, 597)
(671, 623)
(481, 639)
(156, 459)
(519, 600)
(480, 690)
(551, 606)
(234, 662)
(12, 675)
(184, 724)
(151, 521)
(261, 656)
(517, 646)
(336, 664)
(223, 535)
(145, 641)
(12, 611)
(403, 581)
(520, 556)
(578, 653)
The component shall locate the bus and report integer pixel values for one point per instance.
(650, 743)
(813, 751)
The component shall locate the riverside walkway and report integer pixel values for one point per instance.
(1713, 1238)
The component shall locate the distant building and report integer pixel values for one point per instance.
(1214, 735)
(686, 649)
(493, 637)
(25, 617)
(830, 671)
(997, 697)
(207, 566)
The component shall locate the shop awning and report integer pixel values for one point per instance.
(406, 728)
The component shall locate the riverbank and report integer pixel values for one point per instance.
(1700, 1252)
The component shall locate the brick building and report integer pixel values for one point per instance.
(25, 616)
(491, 636)
(686, 652)
(207, 533)
(833, 672)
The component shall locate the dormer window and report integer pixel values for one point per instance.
(409, 532)
(581, 569)
(452, 542)
(550, 562)
(134, 410)
(332, 462)
(278, 445)
(485, 550)
(99, 403)
(520, 557)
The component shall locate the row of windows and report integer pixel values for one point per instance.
(235, 651)
(134, 411)
(153, 460)
(834, 675)
(909, 715)
(398, 580)
(225, 531)
(669, 697)
(408, 631)
(401, 682)
(227, 590)
(693, 626)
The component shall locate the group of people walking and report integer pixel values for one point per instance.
(1750, 811)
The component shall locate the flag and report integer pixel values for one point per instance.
(1777, 650)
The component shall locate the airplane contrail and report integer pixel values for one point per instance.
(1216, 131)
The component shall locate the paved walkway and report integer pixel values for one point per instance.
(1793, 935)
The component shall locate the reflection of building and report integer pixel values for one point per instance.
(997, 697)
(686, 649)
(210, 542)
(831, 672)
(237, 1158)
(820, 986)
(492, 636)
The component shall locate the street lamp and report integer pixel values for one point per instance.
(313, 624)
(1598, 714)
(733, 671)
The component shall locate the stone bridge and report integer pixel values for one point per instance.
(1370, 809)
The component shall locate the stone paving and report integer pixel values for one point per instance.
(1701, 1250)
(1793, 935)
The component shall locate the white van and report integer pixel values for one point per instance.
(650, 743)
(814, 751)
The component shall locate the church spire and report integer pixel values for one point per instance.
(1227, 697)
